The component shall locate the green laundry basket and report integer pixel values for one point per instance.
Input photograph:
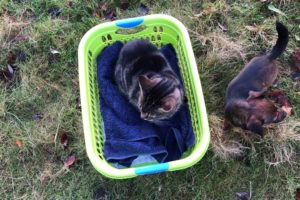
(159, 29)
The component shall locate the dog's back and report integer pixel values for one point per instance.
(260, 70)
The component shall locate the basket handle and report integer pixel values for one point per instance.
(151, 169)
(129, 23)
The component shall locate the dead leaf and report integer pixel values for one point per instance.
(7, 75)
(69, 162)
(95, 14)
(64, 140)
(296, 58)
(78, 103)
(19, 143)
(54, 55)
(297, 196)
(21, 56)
(143, 9)
(38, 116)
(102, 6)
(11, 57)
(295, 75)
(54, 51)
(124, 4)
(10, 69)
(243, 195)
(100, 194)
(70, 3)
(223, 28)
(110, 14)
(54, 11)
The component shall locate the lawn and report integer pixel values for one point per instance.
(39, 101)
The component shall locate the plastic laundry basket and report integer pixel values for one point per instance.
(160, 30)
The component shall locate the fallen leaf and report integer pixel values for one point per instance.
(295, 75)
(54, 51)
(223, 28)
(19, 143)
(78, 103)
(11, 57)
(296, 58)
(21, 56)
(8, 73)
(143, 9)
(272, 8)
(102, 6)
(100, 194)
(95, 14)
(54, 11)
(243, 195)
(53, 56)
(38, 116)
(70, 3)
(124, 5)
(297, 196)
(69, 162)
(10, 69)
(64, 140)
(110, 14)
(252, 28)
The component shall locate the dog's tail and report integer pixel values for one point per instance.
(282, 41)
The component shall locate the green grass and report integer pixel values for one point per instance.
(43, 84)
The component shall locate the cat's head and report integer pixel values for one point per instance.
(159, 97)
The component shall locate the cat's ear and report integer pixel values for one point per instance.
(146, 83)
(168, 105)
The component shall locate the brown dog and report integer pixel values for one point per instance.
(244, 104)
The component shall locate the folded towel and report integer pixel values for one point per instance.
(127, 136)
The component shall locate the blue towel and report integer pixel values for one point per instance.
(127, 136)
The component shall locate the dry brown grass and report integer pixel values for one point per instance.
(10, 29)
(220, 47)
(278, 141)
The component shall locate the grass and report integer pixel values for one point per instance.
(47, 84)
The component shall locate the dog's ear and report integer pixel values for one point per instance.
(255, 125)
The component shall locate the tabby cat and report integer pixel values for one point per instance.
(145, 77)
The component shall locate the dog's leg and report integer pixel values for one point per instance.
(255, 94)
(226, 124)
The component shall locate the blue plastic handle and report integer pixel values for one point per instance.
(152, 169)
(129, 23)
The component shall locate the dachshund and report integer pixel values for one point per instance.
(245, 104)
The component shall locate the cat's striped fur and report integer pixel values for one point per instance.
(144, 76)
